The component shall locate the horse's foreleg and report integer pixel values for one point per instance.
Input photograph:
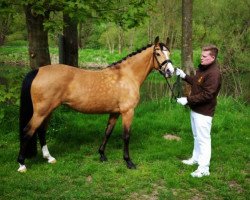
(42, 138)
(126, 122)
(110, 126)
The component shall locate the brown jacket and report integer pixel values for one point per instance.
(205, 86)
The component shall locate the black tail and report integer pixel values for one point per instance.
(26, 112)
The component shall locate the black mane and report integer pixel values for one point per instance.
(136, 52)
(130, 55)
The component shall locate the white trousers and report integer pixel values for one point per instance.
(201, 128)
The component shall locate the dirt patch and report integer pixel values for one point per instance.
(151, 196)
(235, 186)
(171, 137)
(89, 179)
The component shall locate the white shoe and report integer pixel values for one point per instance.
(200, 173)
(190, 161)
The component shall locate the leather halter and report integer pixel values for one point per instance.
(162, 71)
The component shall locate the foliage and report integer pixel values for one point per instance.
(15, 53)
(227, 26)
(10, 79)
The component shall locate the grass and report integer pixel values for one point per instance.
(74, 138)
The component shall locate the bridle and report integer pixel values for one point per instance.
(160, 65)
(162, 72)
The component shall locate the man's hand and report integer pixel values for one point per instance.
(183, 101)
(180, 73)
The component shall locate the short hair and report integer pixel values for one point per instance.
(212, 48)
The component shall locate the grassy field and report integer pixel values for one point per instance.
(74, 138)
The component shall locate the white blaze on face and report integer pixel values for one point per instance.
(169, 65)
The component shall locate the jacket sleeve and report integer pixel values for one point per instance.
(189, 79)
(209, 89)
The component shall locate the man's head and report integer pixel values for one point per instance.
(209, 54)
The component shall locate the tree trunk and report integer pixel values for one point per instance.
(70, 41)
(109, 44)
(120, 40)
(80, 36)
(37, 37)
(5, 24)
(131, 40)
(187, 48)
(2, 39)
(149, 33)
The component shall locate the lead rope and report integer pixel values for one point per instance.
(176, 86)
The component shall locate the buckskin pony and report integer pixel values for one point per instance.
(113, 90)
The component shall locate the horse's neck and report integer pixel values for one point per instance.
(140, 65)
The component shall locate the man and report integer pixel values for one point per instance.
(205, 86)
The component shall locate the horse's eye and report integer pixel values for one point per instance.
(157, 54)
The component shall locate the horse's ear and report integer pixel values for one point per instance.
(157, 40)
(168, 42)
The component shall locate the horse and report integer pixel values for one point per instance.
(114, 90)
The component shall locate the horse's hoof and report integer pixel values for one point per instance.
(22, 169)
(103, 158)
(51, 160)
(130, 164)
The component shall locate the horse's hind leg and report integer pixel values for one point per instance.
(110, 126)
(42, 138)
(29, 131)
(24, 145)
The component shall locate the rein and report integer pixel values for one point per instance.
(176, 86)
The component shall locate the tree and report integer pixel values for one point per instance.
(126, 14)
(37, 36)
(70, 37)
(129, 15)
(187, 48)
(109, 37)
(5, 22)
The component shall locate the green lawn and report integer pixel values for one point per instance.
(73, 139)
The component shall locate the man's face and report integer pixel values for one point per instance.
(206, 58)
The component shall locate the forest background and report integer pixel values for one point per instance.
(124, 26)
(128, 25)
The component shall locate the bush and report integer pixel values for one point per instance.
(10, 86)
(19, 35)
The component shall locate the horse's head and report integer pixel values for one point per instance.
(162, 61)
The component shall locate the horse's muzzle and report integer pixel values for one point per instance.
(168, 73)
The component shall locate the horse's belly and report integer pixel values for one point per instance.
(93, 107)
(103, 105)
